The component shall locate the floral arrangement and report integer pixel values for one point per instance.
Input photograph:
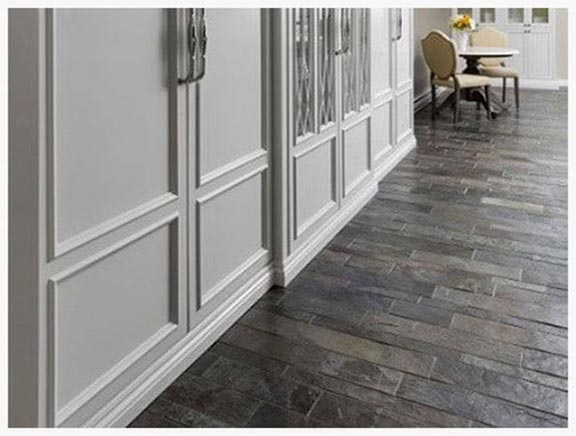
(462, 23)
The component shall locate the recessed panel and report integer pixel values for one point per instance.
(105, 310)
(230, 94)
(404, 45)
(381, 49)
(314, 183)
(403, 115)
(355, 154)
(230, 232)
(110, 114)
(380, 129)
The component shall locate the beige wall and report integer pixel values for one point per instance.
(425, 20)
(562, 44)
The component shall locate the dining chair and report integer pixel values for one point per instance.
(441, 56)
(495, 67)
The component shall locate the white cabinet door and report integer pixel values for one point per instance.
(401, 22)
(229, 214)
(540, 49)
(517, 38)
(115, 203)
(381, 61)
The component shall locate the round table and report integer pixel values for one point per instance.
(472, 56)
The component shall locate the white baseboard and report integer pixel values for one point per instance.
(142, 391)
(394, 157)
(532, 84)
(424, 99)
(299, 259)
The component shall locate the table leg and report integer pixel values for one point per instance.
(471, 65)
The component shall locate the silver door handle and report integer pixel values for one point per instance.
(196, 46)
(398, 24)
(345, 41)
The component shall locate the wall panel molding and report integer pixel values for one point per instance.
(58, 415)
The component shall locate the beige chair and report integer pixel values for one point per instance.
(441, 56)
(495, 67)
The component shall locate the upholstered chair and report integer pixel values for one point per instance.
(495, 67)
(441, 56)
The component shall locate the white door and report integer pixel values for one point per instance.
(540, 50)
(354, 109)
(401, 25)
(381, 84)
(229, 158)
(115, 203)
(330, 110)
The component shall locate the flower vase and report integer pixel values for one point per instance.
(462, 40)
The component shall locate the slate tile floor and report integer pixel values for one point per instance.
(443, 302)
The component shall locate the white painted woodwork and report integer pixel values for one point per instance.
(106, 161)
(229, 206)
(355, 155)
(230, 98)
(318, 164)
(141, 212)
(318, 190)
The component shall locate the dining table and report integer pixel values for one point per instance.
(472, 55)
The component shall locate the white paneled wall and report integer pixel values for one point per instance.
(158, 188)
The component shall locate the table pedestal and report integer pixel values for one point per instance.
(477, 95)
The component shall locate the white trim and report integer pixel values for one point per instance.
(143, 390)
(299, 259)
(531, 83)
(421, 101)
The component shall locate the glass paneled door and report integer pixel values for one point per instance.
(330, 71)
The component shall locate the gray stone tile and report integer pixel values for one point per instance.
(502, 386)
(545, 362)
(473, 405)
(214, 399)
(511, 334)
(263, 385)
(192, 418)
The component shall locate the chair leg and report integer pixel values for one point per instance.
(503, 89)
(488, 105)
(517, 92)
(456, 105)
(433, 90)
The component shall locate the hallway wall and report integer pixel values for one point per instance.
(425, 19)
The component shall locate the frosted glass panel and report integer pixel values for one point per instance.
(326, 67)
(303, 71)
(364, 46)
(487, 15)
(540, 15)
(516, 15)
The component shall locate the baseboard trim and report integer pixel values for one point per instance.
(299, 259)
(425, 99)
(390, 160)
(143, 390)
(284, 274)
(553, 85)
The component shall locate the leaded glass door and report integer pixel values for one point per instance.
(330, 91)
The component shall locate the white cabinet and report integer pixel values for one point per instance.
(346, 119)
(144, 229)
(531, 31)
(148, 151)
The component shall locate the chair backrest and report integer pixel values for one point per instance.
(440, 54)
(489, 37)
